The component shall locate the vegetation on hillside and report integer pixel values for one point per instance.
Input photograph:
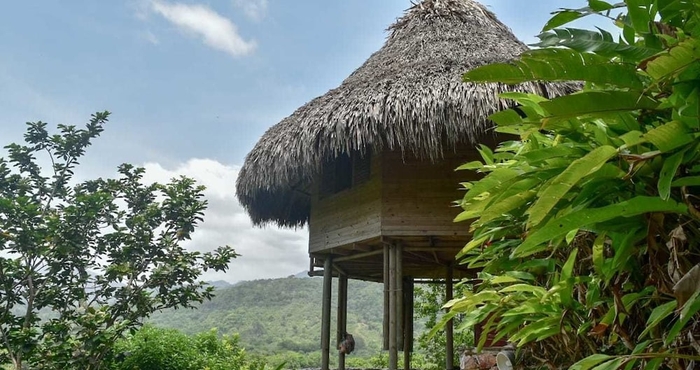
(277, 320)
(586, 227)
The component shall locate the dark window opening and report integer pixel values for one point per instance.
(360, 168)
(344, 172)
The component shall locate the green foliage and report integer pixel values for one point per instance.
(586, 228)
(429, 300)
(154, 348)
(99, 255)
(278, 319)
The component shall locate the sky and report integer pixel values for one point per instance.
(192, 85)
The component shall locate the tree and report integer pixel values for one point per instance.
(83, 262)
(586, 225)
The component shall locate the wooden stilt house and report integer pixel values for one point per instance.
(369, 166)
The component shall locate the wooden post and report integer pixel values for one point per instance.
(399, 296)
(393, 350)
(449, 327)
(408, 323)
(342, 315)
(385, 280)
(326, 314)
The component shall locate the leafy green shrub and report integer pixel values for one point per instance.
(223, 353)
(586, 228)
(154, 348)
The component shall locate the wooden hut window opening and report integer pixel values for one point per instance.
(360, 168)
(345, 172)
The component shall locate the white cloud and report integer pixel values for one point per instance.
(253, 9)
(215, 30)
(265, 253)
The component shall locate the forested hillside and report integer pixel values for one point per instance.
(281, 317)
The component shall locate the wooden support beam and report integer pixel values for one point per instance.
(399, 295)
(420, 257)
(393, 350)
(385, 280)
(361, 247)
(339, 269)
(449, 327)
(434, 281)
(408, 322)
(359, 255)
(432, 249)
(342, 315)
(326, 314)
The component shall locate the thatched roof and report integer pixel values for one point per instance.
(407, 96)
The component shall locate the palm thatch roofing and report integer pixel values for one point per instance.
(407, 96)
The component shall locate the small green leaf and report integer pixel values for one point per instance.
(590, 361)
(668, 172)
(659, 313)
(599, 5)
(506, 117)
(690, 308)
(566, 274)
(655, 363)
(561, 18)
(538, 291)
(491, 181)
(570, 236)
(535, 156)
(611, 365)
(633, 138)
(669, 136)
(502, 279)
(598, 254)
(568, 268)
(686, 181)
(675, 60)
(638, 15)
(597, 102)
(520, 275)
(486, 154)
(473, 244)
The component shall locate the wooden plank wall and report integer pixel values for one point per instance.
(349, 216)
(404, 196)
(417, 195)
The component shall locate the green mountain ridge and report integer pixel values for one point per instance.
(277, 316)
